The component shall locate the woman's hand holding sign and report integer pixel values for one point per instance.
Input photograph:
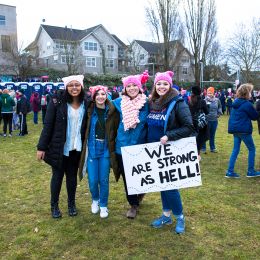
(164, 139)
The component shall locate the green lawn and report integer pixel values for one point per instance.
(222, 215)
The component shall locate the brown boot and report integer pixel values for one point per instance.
(132, 212)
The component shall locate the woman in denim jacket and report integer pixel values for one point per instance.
(96, 155)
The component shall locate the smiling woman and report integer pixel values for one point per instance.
(61, 149)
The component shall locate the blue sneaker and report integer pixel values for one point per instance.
(253, 174)
(232, 175)
(161, 221)
(180, 225)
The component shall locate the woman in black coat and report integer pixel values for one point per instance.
(197, 104)
(61, 140)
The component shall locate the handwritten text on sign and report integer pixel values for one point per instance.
(156, 167)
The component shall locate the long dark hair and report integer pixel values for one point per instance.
(68, 98)
(155, 96)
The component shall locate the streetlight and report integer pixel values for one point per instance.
(201, 74)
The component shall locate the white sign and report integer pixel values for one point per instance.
(155, 167)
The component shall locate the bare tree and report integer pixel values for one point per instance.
(166, 27)
(243, 49)
(200, 18)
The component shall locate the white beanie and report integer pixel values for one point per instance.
(68, 79)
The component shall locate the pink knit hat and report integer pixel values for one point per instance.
(94, 89)
(68, 79)
(167, 76)
(136, 79)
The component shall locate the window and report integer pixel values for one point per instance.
(6, 43)
(110, 48)
(91, 62)
(185, 60)
(141, 56)
(90, 46)
(185, 70)
(2, 20)
(110, 63)
(66, 59)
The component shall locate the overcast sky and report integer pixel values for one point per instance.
(125, 18)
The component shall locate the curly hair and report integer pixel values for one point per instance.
(244, 91)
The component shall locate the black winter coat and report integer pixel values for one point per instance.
(180, 123)
(53, 135)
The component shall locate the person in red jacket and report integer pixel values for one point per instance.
(36, 106)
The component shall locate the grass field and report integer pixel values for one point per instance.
(222, 215)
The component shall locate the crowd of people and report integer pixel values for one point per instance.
(83, 133)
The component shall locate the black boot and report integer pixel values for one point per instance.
(55, 211)
(72, 211)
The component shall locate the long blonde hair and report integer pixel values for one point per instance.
(244, 91)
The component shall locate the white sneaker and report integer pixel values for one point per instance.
(95, 206)
(103, 212)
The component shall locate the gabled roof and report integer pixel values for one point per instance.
(150, 47)
(69, 34)
(64, 33)
(118, 40)
(154, 48)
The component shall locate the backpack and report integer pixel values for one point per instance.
(200, 119)
(43, 100)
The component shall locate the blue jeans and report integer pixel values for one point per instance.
(212, 125)
(98, 178)
(35, 117)
(171, 200)
(248, 140)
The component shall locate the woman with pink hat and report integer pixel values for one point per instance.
(133, 110)
(61, 140)
(95, 157)
(169, 119)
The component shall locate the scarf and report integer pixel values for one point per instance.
(130, 110)
(161, 102)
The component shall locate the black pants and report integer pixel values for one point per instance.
(133, 200)
(8, 121)
(43, 114)
(23, 124)
(69, 168)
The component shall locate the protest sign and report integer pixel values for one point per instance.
(155, 167)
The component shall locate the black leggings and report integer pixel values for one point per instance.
(133, 200)
(69, 168)
(8, 121)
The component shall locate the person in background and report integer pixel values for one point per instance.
(6, 106)
(1, 92)
(197, 104)
(222, 98)
(215, 110)
(15, 121)
(229, 103)
(45, 99)
(98, 141)
(36, 106)
(257, 106)
(184, 95)
(132, 107)
(240, 125)
(22, 109)
(169, 119)
(61, 140)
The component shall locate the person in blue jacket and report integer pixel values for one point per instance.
(169, 119)
(133, 109)
(240, 125)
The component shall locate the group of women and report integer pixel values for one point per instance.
(81, 136)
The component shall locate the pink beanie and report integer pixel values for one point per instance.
(68, 79)
(94, 89)
(167, 76)
(136, 79)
